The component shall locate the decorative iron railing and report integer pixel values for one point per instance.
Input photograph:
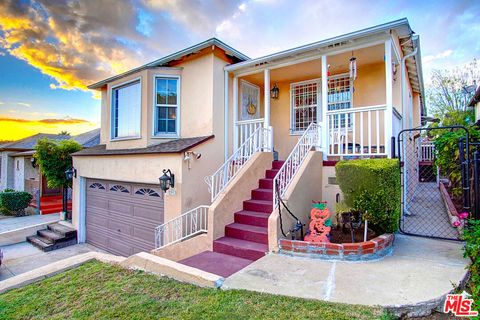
(245, 128)
(259, 140)
(289, 169)
(187, 225)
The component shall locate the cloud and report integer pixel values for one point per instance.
(17, 128)
(24, 104)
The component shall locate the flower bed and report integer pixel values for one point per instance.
(368, 250)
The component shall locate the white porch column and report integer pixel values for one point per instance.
(266, 98)
(388, 121)
(226, 110)
(235, 113)
(324, 134)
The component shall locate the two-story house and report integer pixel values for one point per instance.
(210, 113)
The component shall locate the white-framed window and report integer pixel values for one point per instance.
(126, 110)
(304, 102)
(340, 97)
(167, 106)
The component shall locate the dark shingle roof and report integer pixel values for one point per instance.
(172, 146)
(29, 143)
(87, 139)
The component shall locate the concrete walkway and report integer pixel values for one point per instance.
(418, 270)
(23, 257)
(428, 215)
(16, 223)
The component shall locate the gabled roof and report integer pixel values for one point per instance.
(87, 139)
(175, 56)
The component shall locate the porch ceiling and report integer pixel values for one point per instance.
(312, 69)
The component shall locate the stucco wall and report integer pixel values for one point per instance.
(6, 180)
(181, 250)
(304, 188)
(221, 212)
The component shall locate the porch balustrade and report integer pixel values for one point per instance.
(357, 131)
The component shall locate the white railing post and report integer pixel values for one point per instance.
(325, 125)
(266, 97)
(235, 112)
(388, 116)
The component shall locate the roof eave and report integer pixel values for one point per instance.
(175, 56)
(323, 43)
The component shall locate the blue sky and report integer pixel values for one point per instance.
(50, 50)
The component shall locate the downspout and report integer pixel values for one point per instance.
(411, 54)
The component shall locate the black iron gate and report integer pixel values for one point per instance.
(426, 206)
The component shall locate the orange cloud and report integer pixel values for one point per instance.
(13, 129)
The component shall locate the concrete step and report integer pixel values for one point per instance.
(259, 219)
(247, 232)
(63, 230)
(265, 183)
(258, 205)
(262, 194)
(270, 174)
(277, 164)
(217, 263)
(45, 245)
(240, 248)
(54, 237)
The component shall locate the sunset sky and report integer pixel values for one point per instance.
(51, 50)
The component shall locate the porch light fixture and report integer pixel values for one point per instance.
(274, 92)
(71, 173)
(167, 180)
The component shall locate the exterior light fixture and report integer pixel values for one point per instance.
(274, 92)
(167, 181)
(71, 173)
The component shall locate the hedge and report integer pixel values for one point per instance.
(472, 251)
(13, 202)
(372, 186)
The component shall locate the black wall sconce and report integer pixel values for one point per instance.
(274, 92)
(167, 180)
(71, 173)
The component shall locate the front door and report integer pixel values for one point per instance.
(46, 191)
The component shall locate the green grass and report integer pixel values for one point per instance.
(100, 291)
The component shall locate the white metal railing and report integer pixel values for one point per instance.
(427, 151)
(259, 140)
(187, 225)
(357, 131)
(245, 128)
(289, 169)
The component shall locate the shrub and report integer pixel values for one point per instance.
(14, 202)
(372, 186)
(472, 250)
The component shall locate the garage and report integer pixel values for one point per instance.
(121, 217)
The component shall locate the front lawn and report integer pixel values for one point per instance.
(99, 291)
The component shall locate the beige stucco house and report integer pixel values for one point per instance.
(210, 114)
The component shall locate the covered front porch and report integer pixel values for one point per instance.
(352, 92)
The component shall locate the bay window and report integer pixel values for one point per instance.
(126, 110)
(166, 106)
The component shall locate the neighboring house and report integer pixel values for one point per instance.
(475, 103)
(19, 170)
(213, 101)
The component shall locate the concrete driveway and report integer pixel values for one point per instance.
(22, 257)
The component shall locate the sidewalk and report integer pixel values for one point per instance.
(15, 223)
(418, 270)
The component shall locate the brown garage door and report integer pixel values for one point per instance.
(121, 217)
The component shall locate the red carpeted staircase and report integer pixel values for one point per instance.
(51, 204)
(246, 239)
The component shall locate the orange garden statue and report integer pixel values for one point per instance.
(320, 224)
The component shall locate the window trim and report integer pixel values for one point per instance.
(156, 135)
(319, 104)
(343, 75)
(112, 88)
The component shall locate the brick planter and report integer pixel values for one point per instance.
(368, 250)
